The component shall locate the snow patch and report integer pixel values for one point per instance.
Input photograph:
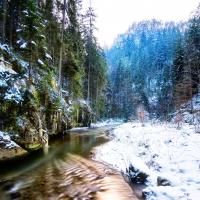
(18, 30)
(158, 150)
(32, 42)
(48, 56)
(23, 46)
(5, 138)
(39, 61)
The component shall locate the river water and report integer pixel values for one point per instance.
(64, 171)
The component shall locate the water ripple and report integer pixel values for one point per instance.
(74, 178)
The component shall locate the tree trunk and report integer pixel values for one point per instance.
(88, 90)
(11, 23)
(60, 60)
(4, 22)
(36, 3)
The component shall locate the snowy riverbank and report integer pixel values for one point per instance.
(160, 150)
(9, 149)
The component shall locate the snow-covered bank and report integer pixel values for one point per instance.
(6, 142)
(160, 150)
(107, 123)
(8, 148)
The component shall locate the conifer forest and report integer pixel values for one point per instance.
(55, 72)
(154, 65)
(82, 121)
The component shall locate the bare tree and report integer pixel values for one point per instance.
(141, 114)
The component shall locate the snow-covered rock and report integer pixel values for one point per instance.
(168, 181)
(8, 148)
(138, 171)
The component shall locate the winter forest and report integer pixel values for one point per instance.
(53, 53)
(51, 47)
(56, 78)
(154, 66)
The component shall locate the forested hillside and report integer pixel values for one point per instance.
(154, 66)
(53, 72)
(52, 68)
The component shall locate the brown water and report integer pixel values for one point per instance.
(65, 170)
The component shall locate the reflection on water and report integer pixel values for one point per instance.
(63, 171)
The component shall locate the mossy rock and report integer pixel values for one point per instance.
(137, 176)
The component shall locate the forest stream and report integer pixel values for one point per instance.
(65, 170)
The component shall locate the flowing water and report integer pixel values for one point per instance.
(64, 171)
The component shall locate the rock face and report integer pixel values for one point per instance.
(32, 110)
(9, 149)
(14, 152)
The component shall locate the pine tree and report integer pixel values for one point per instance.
(192, 51)
(52, 32)
(148, 48)
(90, 44)
(61, 47)
(3, 7)
(118, 91)
(74, 51)
(32, 41)
(95, 65)
(178, 62)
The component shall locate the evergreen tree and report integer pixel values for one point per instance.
(148, 48)
(74, 51)
(178, 62)
(90, 45)
(3, 7)
(192, 51)
(95, 66)
(118, 91)
(32, 41)
(52, 32)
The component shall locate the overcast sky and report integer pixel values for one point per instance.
(115, 16)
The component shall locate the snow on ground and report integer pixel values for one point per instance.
(159, 150)
(6, 142)
(107, 122)
(98, 124)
